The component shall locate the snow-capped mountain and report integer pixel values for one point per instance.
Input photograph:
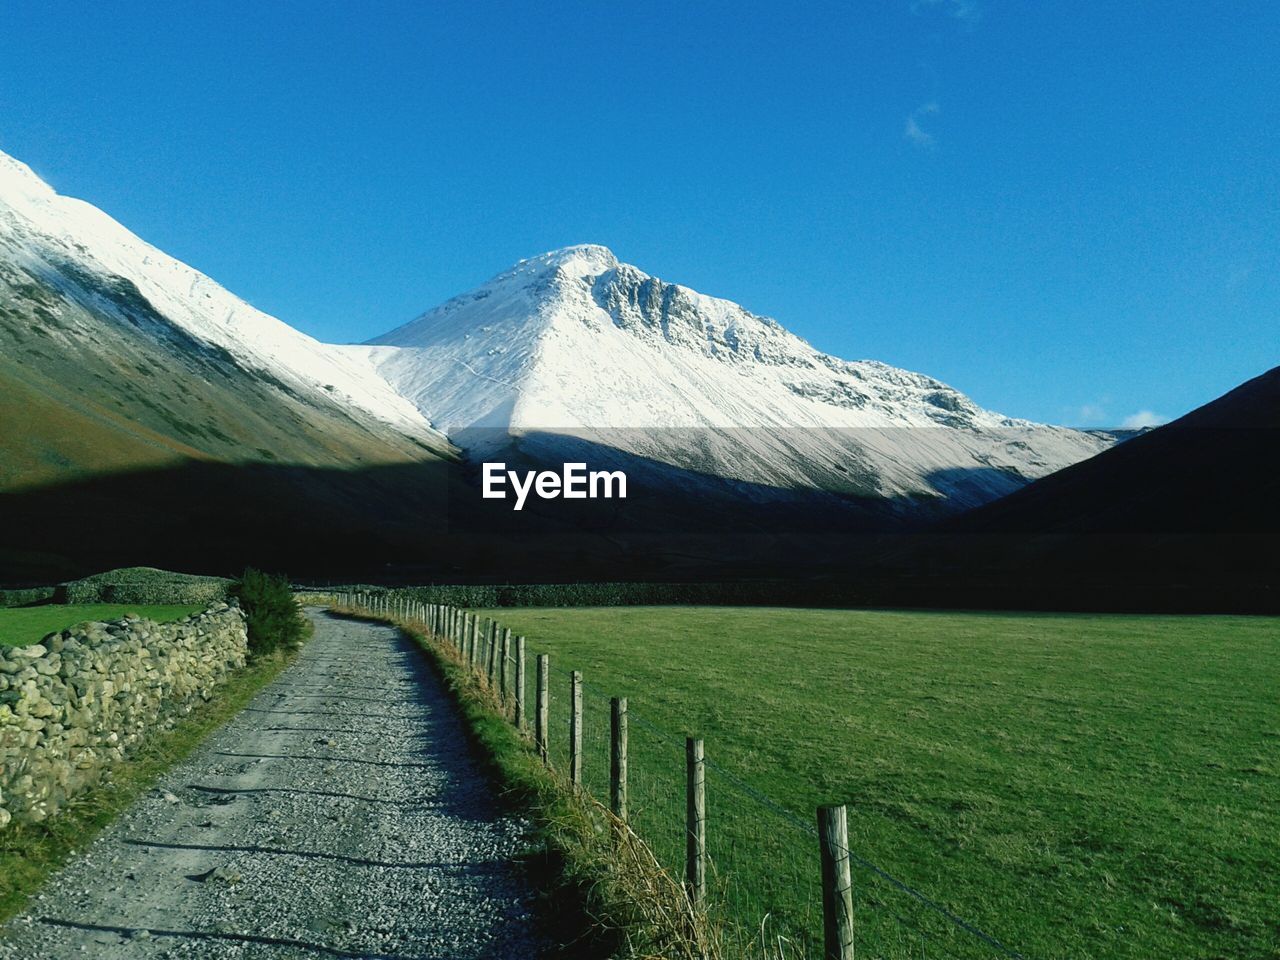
(576, 344)
(153, 360)
(84, 261)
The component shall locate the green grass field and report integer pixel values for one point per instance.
(20, 626)
(1077, 786)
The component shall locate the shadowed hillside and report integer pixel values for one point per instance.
(418, 523)
(1216, 470)
(1184, 517)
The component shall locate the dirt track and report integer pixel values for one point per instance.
(339, 815)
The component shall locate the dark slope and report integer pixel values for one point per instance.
(1214, 471)
(1183, 518)
(418, 523)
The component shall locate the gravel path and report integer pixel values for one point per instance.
(340, 815)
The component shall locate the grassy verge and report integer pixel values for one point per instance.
(601, 892)
(22, 626)
(29, 853)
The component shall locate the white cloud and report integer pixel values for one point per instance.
(914, 132)
(1089, 415)
(1143, 418)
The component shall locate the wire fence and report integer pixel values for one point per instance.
(766, 893)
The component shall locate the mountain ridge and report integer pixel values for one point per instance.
(115, 356)
(45, 232)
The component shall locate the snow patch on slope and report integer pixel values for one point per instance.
(43, 227)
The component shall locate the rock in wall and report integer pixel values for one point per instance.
(80, 698)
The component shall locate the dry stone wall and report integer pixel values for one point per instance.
(82, 697)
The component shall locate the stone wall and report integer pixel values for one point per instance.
(80, 698)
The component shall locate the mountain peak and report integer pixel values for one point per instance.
(579, 260)
(574, 341)
(589, 252)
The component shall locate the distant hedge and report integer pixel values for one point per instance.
(26, 596)
(747, 593)
(144, 585)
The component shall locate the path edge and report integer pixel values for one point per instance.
(31, 854)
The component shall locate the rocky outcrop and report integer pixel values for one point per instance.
(82, 697)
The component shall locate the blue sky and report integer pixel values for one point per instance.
(1069, 211)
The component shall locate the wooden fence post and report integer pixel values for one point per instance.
(504, 656)
(493, 661)
(695, 857)
(541, 707)
(519, 719)
(837, 885)
(618, 757)
(575, 728)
